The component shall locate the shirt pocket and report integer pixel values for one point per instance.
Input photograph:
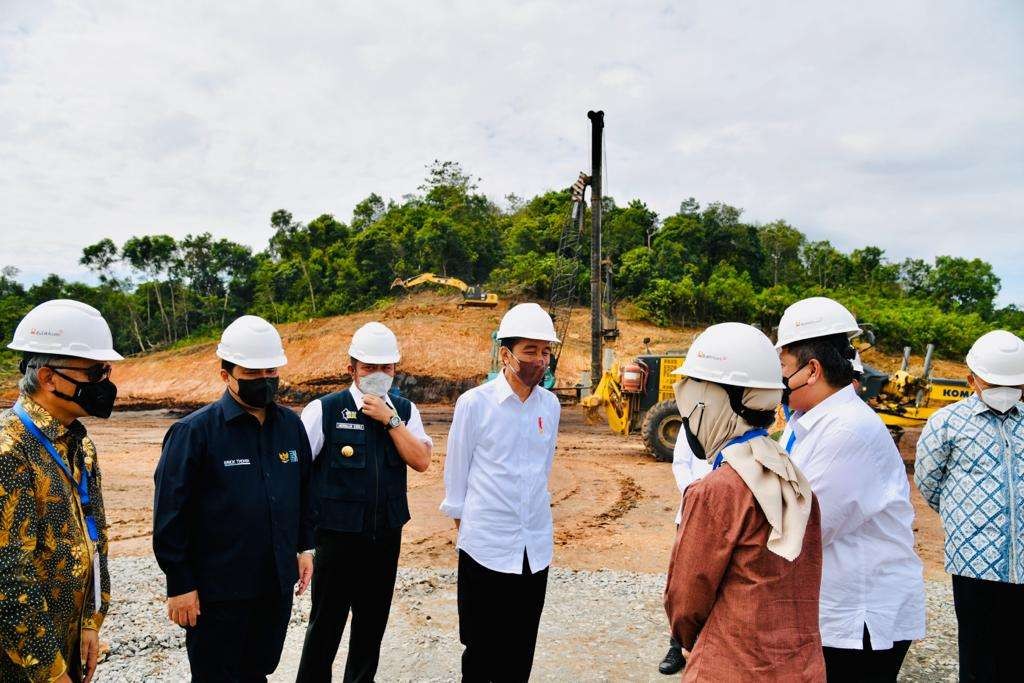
(348, 449)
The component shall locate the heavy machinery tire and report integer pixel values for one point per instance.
(660, 428)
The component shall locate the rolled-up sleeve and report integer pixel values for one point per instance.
(932, 460)
(175, 474)
(415, 426)
(312, 420)
(461, 442)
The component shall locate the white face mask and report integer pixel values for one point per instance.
(376, 384)
(1001, 399)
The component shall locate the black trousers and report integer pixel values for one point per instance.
(350, 572)
(867, 665)
(238, 640)
(499, 615)
(986, 612)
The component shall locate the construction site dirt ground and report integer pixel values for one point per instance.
(613, 504)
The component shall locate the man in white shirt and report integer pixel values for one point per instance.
(363, 441)
(500, 449)
(872, 587)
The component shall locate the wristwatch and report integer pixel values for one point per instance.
(395, 421)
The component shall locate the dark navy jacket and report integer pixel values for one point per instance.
(233, 504)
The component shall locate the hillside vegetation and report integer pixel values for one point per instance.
(700, 265)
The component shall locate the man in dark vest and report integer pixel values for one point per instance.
(363, 439)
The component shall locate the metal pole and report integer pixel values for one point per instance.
(596, 134)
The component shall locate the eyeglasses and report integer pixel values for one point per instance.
(94, 373)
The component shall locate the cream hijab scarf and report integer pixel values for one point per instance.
(779, 487)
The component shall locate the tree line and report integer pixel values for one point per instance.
(700, 265)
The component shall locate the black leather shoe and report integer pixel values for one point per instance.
(673, 662)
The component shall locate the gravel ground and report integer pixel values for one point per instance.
(597, 626)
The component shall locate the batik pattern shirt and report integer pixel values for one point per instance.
(970, 469)
(46, 556)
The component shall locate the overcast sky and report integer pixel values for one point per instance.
(899, 124)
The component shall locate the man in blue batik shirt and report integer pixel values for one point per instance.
(970, 469)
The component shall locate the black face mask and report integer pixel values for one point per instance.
(258, 393)
(691, 435)
(95, 398)
(789, 390)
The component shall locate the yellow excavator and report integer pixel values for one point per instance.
(905, 400)
(473, 296)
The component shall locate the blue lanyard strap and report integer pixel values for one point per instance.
(82, 486)
(792, 431)
(743, 438)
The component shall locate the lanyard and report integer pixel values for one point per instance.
(82, 486)
(743, 438)
(788, 412)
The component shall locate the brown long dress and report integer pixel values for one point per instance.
(756, 613)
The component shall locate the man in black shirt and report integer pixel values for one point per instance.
(232, 526)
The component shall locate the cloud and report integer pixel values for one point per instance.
(873, 123)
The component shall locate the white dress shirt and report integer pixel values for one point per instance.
(500, 451)
(312, 418)
(686, 468)
(871, 574)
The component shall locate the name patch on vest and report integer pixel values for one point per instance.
(348, 425)
(236, 463)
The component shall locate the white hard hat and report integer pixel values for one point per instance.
(735, 354)
(816, 317)
(998, 358)
(251, 342)
(375, 344)
(858, 365)
(527, 321)
(63, 327)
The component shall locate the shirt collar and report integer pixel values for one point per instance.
(503, 390)
(50, 426)
(806, 421)
(232, 409)
(357, 395)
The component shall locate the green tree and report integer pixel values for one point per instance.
(291, 242)
(781, 244)
(965, 284)
(152, 255)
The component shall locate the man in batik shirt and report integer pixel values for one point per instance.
(53, 541)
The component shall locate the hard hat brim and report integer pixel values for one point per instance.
(255, 363)
(999, 380)
(851, 334)
(746, 384)
(376, 360)
(550, 338)
(99, 354)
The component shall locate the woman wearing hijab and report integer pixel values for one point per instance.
(742, 590)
